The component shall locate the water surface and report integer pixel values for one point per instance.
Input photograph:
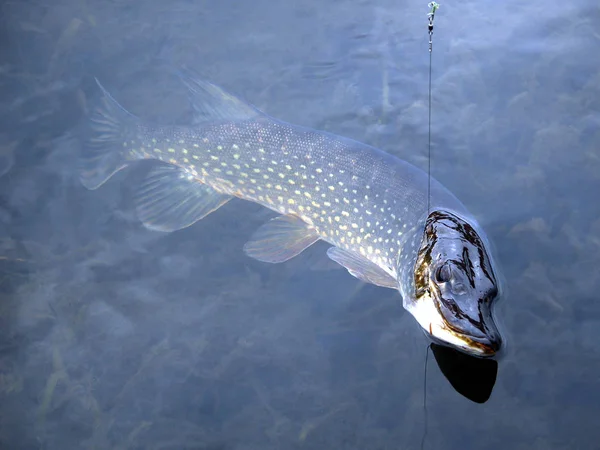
(113, 336)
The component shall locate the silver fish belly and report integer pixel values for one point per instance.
(371, 206)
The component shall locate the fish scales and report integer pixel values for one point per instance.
(371, 206)
(355, 196)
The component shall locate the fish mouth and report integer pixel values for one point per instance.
(481, 346)
(483, 349)
(474, 335)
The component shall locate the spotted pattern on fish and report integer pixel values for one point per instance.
(353, 195)
(371, 206)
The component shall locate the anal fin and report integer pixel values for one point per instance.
(170, 199)
(361, 268)
(280, 239)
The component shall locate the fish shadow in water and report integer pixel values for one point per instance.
(473, 378)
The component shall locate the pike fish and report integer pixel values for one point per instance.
(372, 207)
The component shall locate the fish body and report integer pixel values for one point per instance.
(371, 206)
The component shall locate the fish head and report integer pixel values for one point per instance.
(455, 286)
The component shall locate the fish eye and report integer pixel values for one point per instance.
(443, 274)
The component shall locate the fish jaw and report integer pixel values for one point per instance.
(437, 329)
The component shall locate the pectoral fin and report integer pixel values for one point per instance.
(362, 269)
(280, 239)
(170, 199)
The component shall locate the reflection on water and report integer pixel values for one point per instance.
(112, 336)
(472, 377)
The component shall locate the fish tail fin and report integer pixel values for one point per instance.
(105, 151)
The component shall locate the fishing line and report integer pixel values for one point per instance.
(433, 6)
(425, 399)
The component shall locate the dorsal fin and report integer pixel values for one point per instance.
(211, 103)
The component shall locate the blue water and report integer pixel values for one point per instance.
(112, 336)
